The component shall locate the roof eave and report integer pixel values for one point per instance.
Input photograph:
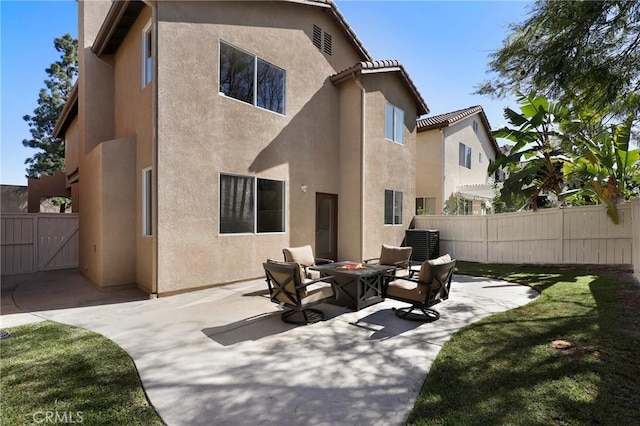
(68, 113)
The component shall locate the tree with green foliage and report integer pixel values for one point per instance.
(51, 100)
(535, 160)
(584, 54)
(604, 168)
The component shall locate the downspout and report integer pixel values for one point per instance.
(154, 149)
(362, 162)
(442, 172)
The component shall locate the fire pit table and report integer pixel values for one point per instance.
(359, 285)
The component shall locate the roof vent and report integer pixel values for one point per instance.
(317, 37)
(327, 43)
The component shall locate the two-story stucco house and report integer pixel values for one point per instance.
(204, 137)
(453, 153)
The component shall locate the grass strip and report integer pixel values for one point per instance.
(511, 369)
(55, 373)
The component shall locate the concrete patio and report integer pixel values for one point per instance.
(222, 356)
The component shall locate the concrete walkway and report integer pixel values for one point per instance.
(222, 356)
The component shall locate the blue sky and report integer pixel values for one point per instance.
(444, 45)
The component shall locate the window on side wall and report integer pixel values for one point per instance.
(465, 155)
(147, 202)
(250, 79)
(251, 205)
(394, 123)
(147, 55)
(392, 207)
(465, 207)
(425, 205)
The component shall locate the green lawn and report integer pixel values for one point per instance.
(71, 375)
(504, 369)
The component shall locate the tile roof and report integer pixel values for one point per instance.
(371, 67)
(449, 118)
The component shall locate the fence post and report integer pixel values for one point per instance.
(635, 242)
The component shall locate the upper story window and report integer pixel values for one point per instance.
(147, 55)
(392, 207)
(250, 79)
(394, 123)
(251, 205)
(465, 155)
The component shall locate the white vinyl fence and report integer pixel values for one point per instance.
(33, 242)
(573, 235)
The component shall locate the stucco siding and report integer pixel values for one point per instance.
(429, 166)
(455, 174)
(388, 165)
(203, 133)
(133, 117)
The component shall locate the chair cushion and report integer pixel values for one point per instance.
(390, 255)
(409, 290)
(318, 291)
(301, 255)
(426, 272)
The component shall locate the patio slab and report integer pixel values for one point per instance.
(223, 356)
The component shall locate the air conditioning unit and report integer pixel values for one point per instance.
(425, 243)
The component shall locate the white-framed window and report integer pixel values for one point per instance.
(392, 207)
(394, 123)
(465, 207)
(465, 155)
(147, 202)
(147, 55)
(425, 205)
(250, 205)
(250, 79)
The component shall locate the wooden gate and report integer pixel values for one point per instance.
(39, 242)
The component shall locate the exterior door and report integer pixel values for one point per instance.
(326, 226)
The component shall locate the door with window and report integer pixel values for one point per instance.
(326, 226)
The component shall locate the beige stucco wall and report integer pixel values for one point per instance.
(430, 166)
(455, 174)
(388, 165)
(203, 134)
(133, 116)
(72, 146)
(106, 163)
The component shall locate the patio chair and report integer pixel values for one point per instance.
(304, 257)
(430, 288)
(395, 257)
(287, 288)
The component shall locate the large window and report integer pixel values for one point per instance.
(465, 156)
(147, 58)
(147, 202)
(392, 207)
(251, 205)
(393, 123)
(250, 79)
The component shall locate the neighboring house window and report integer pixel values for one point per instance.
(251, 205)
(465, 207)
(475, 126)
(465, 156)
(392, 207)
(426, 205)
(394, 123)
(147, 202)
(250, 79)
(147, 58)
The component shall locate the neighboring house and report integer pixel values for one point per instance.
(206, 136)
(453, 155)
